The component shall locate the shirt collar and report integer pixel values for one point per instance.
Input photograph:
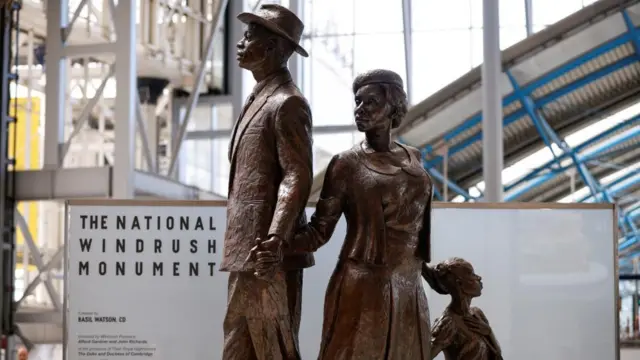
(263, 83)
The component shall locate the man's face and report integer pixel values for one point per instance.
(253, 48)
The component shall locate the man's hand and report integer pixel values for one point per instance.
(267, 255)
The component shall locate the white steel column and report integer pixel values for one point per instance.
(176, 117)
(408, 47)
(126, 97)
(149, 112)
(492, 145)
(295, 62)
(528, 13)
(56, 86)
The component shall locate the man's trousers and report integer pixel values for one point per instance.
(263, 316)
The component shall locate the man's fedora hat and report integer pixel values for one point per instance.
(279, 20)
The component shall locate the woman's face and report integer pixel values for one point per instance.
(372, 109)
(470, 283)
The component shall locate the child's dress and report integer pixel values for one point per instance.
(465, 337)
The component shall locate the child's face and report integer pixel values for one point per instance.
(470, 283)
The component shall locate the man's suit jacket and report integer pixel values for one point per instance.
(270, 174)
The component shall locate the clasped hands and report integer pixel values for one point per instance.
(267, 255)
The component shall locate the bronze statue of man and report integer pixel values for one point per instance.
(269, 184)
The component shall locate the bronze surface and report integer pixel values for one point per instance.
(463, 331)
(375, 304)
(270, 179)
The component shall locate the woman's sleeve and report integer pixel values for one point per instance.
(328, 210)
(431, 277)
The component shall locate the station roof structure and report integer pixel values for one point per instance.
(570, 114)
(87, 33)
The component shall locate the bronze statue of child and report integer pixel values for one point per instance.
(463, 331)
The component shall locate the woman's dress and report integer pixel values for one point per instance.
(375, 304)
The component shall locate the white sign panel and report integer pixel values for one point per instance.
(550, 284)
(143, 281)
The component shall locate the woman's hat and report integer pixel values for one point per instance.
(377, 76)
(279, 20)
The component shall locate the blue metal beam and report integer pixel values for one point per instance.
(628, 241)
(631, 238)
(450, 184)
(543, 80)
(630, 230)
(547, 99)
(629, 217)
(615, 187)
(625, 219)
(586, 151)
(612, 142)
(550, 137)
(634, 210)
(622, 186)
(578, 148)
(632, 31)
(631, 35)
(531, 110)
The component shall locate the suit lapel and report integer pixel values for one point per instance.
(235, 126)
(253, 110)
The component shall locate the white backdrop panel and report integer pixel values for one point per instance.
(548, 276)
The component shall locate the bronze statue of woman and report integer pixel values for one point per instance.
(463, 331)
(375, 304)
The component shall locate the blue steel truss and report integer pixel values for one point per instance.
(577, 157)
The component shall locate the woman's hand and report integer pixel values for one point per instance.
(432, 278)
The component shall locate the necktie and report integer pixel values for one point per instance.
(247, 103)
